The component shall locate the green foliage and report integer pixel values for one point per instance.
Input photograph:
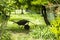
(55, 1)
(56, 27)
(37, 31)
(6, 35)
(5, 9)
(39, 2)
(21, 1)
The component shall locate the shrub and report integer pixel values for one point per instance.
(55, 29)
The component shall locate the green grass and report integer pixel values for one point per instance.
(38, 31)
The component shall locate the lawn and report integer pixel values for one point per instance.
(38, 29)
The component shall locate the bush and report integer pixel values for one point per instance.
(55, 29)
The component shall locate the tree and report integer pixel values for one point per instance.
(41, 4)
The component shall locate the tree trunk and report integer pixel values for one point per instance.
(44, 14)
